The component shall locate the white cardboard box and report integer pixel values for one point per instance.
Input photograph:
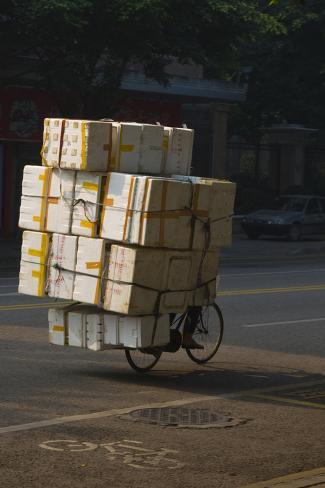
(77, 144)
(36, 181)
(86, 209)
(148, 211)
(57, 326)
(77, 331)
(89, 327)
(126, 147)
(91, 256)
(178, 147)
(60, 201)
(63, 252)
(35, 247)
(32, 279)
(144, 331)
(32, 213)
(62, 265)
(88, 289)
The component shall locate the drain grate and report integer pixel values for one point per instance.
(182, 417)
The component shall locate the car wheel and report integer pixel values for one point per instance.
(252, 235)
(294, 233)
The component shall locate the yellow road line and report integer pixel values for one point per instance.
(291, 386)
(274, 398)
(24, 306)
(258, 291)
(226, 293)
(313, 477)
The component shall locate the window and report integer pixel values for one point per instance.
(313, 206)
(322, 205)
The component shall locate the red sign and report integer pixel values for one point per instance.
(22, 112)
(150, 111)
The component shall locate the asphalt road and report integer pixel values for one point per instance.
(268, 378)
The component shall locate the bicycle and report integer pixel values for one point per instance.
(208, 332)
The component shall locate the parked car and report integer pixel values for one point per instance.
(291, 216)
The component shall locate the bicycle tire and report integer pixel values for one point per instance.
(197, 355)
(133, 362)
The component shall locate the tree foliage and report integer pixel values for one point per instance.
(79, 49)
(288, 70)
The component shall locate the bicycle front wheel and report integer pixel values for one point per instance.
(142, 360)
(208, 333)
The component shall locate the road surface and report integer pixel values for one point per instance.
(66, 414)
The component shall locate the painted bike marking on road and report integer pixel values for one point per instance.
(303, 479)
(285, 322)
(129, 452)
(173, 403)
(262, 291)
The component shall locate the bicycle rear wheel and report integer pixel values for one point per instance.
(142, 360)
(208, 333)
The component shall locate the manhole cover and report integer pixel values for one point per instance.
(182, 417)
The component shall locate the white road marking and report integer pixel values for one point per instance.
(103, 414)
(12, 294)
(173, 403)
(261, 273)
(8, 286)
(285, 322)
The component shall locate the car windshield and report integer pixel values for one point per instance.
(289, 204)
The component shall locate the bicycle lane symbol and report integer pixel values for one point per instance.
(131, 453)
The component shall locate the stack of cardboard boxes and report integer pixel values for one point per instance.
(115, 222)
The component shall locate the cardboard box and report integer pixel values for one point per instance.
(213, 199)
(35, 247)
(91, 267)
(151, 149)
(77, 329)
(147, 211)
(57, 326)
(178, 147)
(77, 144)
(88, 289)
(139, 332)
(60, 201)
(129, 299)
(86, 208)
(52, 137)
(32, 213)
(47, 199)
(36, 181)
(62, 265)
(92, 256)
(63, 254)
(32, 279)
(88, 327)
(173, 270)
(126, 141)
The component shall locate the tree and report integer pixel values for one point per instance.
(288, 70)
(79, 49)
